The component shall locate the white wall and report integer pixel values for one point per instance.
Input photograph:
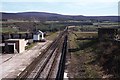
(36, 37)
(22, 44)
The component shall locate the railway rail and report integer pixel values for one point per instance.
(50, 63)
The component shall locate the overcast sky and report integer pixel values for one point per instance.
(66, 7)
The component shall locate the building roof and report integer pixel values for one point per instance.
(14, 39)
(38, 32)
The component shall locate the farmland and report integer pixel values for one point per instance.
(50, 26)
(30, 26)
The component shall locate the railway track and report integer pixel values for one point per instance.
(50, 63)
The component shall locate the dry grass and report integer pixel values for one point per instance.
(81, 56)
(97, 59)
(52, 35)
(86, 34)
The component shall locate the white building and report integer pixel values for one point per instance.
(38, 36)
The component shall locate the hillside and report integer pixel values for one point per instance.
(53, 16)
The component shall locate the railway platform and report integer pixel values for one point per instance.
(12, 65)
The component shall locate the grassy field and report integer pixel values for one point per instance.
(30, 46)
(51, 35)
(31, 26)
(7, 30)
(11, 30)
(91, 58)
(81, 55)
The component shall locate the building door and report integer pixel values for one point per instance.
(11, 48)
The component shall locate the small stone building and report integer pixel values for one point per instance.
(15, 45)
(108, 33)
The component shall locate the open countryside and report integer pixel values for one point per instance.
(51, 46)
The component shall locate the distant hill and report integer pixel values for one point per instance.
(43, 16)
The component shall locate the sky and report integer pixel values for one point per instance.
(65, 7)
